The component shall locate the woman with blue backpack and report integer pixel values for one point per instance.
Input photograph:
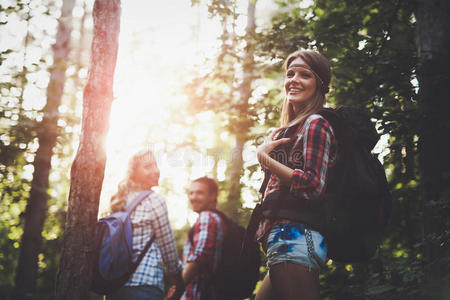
(297, 156)
(149, 219)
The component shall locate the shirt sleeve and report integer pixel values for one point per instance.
(205, 232)
(164, 235)
(311, 181)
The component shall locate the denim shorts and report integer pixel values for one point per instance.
(289, 242)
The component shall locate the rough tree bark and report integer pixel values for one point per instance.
(433, 42)
(245, 91)
(35, 213)
(74, 274)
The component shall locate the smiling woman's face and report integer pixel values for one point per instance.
(299, 82)
(147, 172)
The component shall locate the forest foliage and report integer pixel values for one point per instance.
(372, 47)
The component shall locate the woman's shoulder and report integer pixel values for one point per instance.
(154, 198)
(155, 195)
(316, 118)
(317, 121)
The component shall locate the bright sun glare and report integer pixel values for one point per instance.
(158, 46)
(161, 45)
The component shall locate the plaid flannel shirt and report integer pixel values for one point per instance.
(148, 219)
(313, 151)
(208, 234)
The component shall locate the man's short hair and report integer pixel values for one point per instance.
(210, 183)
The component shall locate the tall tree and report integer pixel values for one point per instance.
(433, 42)
(227, 91)
(26, 275)
(23, 70)
(74, 274)
(244, 123)
(27, 269)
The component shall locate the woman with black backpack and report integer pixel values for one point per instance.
(148, 219)
(297, 156)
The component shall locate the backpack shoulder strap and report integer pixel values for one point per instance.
(130, 208)
(144, 251)
(332, 116)
(191, 236)
(222, 217)
(225, 220)
(286, 132)
(265, 182)
(221, 214)
(137, 200)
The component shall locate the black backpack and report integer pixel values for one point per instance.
(357, 199)
(238, 270)
(357, 202)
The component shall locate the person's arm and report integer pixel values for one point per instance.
(164, 237)
(310, 181)
(278, 169)
(316, 150)
(166, 244)
(203, 240)
(190, 271)
(284, 173)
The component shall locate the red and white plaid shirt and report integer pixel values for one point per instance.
(312, 152)
(205, 249)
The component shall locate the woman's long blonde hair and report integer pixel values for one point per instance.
(322, 71)
(130, 182)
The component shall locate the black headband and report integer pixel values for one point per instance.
(325, 89)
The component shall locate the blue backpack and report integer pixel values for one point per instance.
(114, 260)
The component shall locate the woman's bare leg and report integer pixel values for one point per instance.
(293, 281)
(265, 290)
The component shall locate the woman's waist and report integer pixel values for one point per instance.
(281, 197)
(283, 210)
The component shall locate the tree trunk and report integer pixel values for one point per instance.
(27, 269)
(433, 42)
(245, 91)
(235, 173)
(74, 274)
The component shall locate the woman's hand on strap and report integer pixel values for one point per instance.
(269, 144)
(284, 173)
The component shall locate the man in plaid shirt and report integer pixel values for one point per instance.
(202, 250)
